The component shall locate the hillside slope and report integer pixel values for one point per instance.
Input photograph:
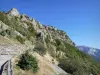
(95, 53)
(54, 48)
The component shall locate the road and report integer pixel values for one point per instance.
(2, 67)
(3, 60)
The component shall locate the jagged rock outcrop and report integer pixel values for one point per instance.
(3, 26)
(23, 17)
(13, 12)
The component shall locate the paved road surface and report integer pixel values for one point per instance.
(3, 59)
(2, 67)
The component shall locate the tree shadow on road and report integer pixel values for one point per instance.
(1, 70)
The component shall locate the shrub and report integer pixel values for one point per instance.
(4, 18)
(69, 66)
(95, 70)
(58, 42)
(78, 63)
(47, 39)
(28, 62)
(28, 23)
(20, 39)
(60, 48)
(73, 66)
(81, 72)
(40, 48)
(8, 32)
(51, 51)
(31, 31)
(3, 33)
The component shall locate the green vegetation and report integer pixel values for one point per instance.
(49, 28)
(47, 39)
(28, 62)
(4, 32)
(15, 23)
(69, 66)
(40, 48)
(77, 62)
(78, 67)
(20, 39)
(31, 32)
(58, 42)
(4, 18)
(8, 31)
(51, 50)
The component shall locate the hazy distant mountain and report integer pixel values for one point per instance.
(94, 52)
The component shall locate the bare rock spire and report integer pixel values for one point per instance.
(13, 12)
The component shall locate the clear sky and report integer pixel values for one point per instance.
(79, 18)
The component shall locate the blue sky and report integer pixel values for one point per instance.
(79, 18)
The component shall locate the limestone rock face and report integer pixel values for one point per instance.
(13, 12)
(40, 34)
(34, 23)
(23, 18)
(3, 26)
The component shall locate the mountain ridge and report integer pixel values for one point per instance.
(94, 52)
(49, 43)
